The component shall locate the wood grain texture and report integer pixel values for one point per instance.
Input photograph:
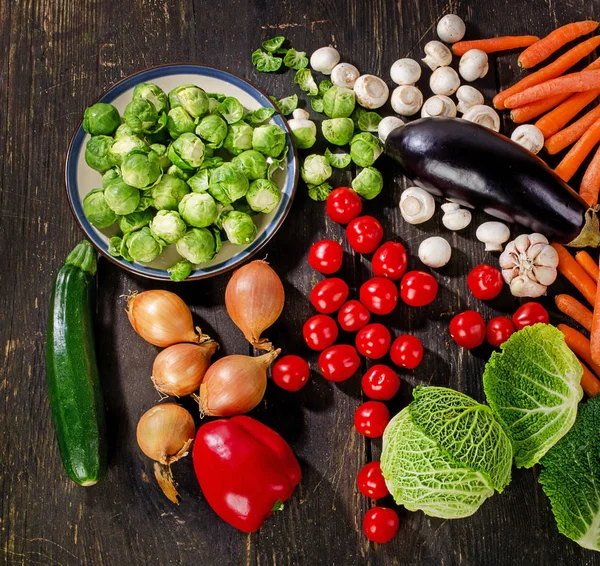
(56, 58)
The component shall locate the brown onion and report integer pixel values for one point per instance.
(254, 299)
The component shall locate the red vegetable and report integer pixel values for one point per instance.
(485, 282)
(389, 261)
(380, 524)
(290, 373)
(326, 256)
(339, 362)
(468, 329)
(380, 382)
(371, 482)
(371, 418)
(373, 341)
(499, 330)
(528, 314)
(418, 288)
(320, 332)
(407, 351)
(364, 234)
(353, 316)
(343, 204)
(379, 295)
(329, 295)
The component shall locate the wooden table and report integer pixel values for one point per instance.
(58, 56)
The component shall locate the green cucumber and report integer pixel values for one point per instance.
(75, 393)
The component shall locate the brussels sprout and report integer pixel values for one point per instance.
(163, 158)
(263, 195)
(121, 197)
(140, 115)
(135, 221)
(101, 119)
(239, 138)
(110, 176)
(365, 148)
(168, 226)
(316, 103)
(241, 205)
(288, 104)
(181, 270)
(212, 129)
(124, 145)
(187, 152)
(265, 62)
(97, 153)
(114, 246)
(225, 210)
(198, 209)
(368, 183)
(124, 130)
(191, 97)
(140, 169)
(97, 211)
(198, 245)
(338, 102)
(159, 131)
(295, 59)
(153, 94)
(200, 181)
(315, 170)
(239, 227)
(123, 251)
(273, 44)
(218, 96)
(146, 201)
(168, 192)
(228, 183)
(324, 86)
(368, 121)
(211, 162)
(253, 164)
(179, 173)
(304, 79)
(143, 246)
(231, 109)
(319, 192)
(179, 122)
(338, 131)
(338, 160)
(258, 116)
(269, 140)
(303, 129)
(213, 105)
(277, 163)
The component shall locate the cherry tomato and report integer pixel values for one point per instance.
(407, 351)
(380, 382)
(380, 524)
(329, 295)
(320, 331)
(371, 482)
(499, 330)
(389, 261)
(371, 418)
(418, 288)
(326, 256)
(485, 282)
(528, 314)
(364, 234)
(468, 329)
(353, 316)
(373, 341)
(379, 295)
(290, 373)
(339, 362)
(343, 204)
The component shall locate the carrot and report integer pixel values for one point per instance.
(589, 382)
(570, 135)
(580, 346)
(575, 310)
(543, 48)
(589, 265)
(534, 109)
(573, 160)
(590, 184)
(494, 44)
(595, 332)
(575, 273)
(551, 71)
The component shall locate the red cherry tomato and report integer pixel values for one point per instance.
(468, 329)
(353, 316)
(499, 330)
(528, 314)
(389, 261)
(320, 331)
(380, 524)
(373, 341)
(343, 204)
(329, 295)
(371, 418)
(379, 295)
(364, 234)
(485, 282)
(418, 288)
(290, 373)
(339, 362)
(407, 351)
(371, 482)
(326, 256)
(380, 382)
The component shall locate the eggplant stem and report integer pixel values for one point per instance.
(590, 233)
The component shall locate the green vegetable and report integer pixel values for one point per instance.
(168, 192)
(288, 104)
(368, 183)
(258, 116)
(339, 102)
(163, 158)
(369, 121)
(338, 131)
(192, 98)
(239, 138)
(168, 226)
(316, 103)
(140, 169)
(124, 130)
(114, 246)
(306, 82)
(180, 173)
(153, 94)
(277, 164)
(241, 205)
(97, 211)
(143, 246)
(135, 221)
(179, 122)
(319, 192)
(199, 183)
(253, 164)
(187, 152)
(181, 270)
(97, 153)
(146, 201)
(239, 227)
(315, 170)
(228, 183)
(198, 209)
(265, 62)
(365, 148)
(304, 132)
(263, 195)
(101, 119)
(140, 115)
(269, 140)
(295, 59)
(324, 86)
(124, 145)
(110, 176)
(338, 160)
(231, 110)
(121, 197)
(212, 129)
(198, 245)
(273, 44)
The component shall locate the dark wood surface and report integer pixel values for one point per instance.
(56, 57)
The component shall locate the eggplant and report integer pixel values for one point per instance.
(477, 167)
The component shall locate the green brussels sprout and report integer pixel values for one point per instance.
(110, 176)
(239, 227)
(365, 148)
(101, 119)
(198, 209)
(121, 197)
(140, 169)
(277, 164)
(97, 211)
(253, 164)
(200, 182)
(153, 94)
(179, 122)
(140, 115)
(191, 97)
(316, 103)
(304, 132)
(288, 104)
(135, 221)
(261, 115)
(269, 140)
(168, 192)
(315, 170)
(198, 245)
(179, 173)
(181, 270)
(211, 162)
(124, 130)
(168, 226)
(123, 251)
(319, 192)
(338, 131)
(224, 210)
(146, 201)
(263, 195)
(338, 160)
(163, 158)
(143, 246)
(239, 138)
(159, 130)
(213, 129)
(338, 102)
(213, 106)
(241, 205)
(218, 96)
(97, 153)
(231, 109)
(368, 183)
(228, 183)
(324, 86)
(304, 79)
(124, 145)
(187, 152)
(114, 246)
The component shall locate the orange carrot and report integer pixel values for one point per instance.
(590, 184)
(580, 346)
(534, 109)
(589, 265)
(570, 135)
(551, 71)
(573, 160)
(595, 332)
(575, 310)
(495, 44)
(543, 48)
(589, 382)
(575, 273)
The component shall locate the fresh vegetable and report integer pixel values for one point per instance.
(499, 329)
(529, 314)
(353, 316)
(329, 295)
(575, 310)
(473, 65)
(418, 288)
(373, 341)
(371, 482)
(574, 158)
(575, 274)
(595, 331)
(485, 282)
(439, 106)
(494, 44)
(315, 170)
(590, 184)
(389, 260)
(444, 81)
(468, 329)
(406, 100)
(493, 235)
(451, 28)
(101, 119)
(343, 205)
(435, 252)
(320, 331)
(529, 136)
(364, 234)
(406, 351)
(416, 205)
(339, 362)
(484, 116)
(405, 71)
(325, 256)
(339, 102)
(589, 265)
(379, 295)
(436, 55)
(303, 129)
(365, 148)
(368, 183)
(580, 345)
(344, 74)
(380, 524)
(290, 373)
(532, 110)
(371, 418)
(371, 91)
(589, 382)
(97, 211)
(455, 218)
(324, 59)
(574, 132)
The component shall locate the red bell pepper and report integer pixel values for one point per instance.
(245, 469)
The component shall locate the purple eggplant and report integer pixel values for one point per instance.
(474, 166)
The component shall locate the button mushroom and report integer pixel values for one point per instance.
(371, 91)
(416, 205)
(473, 65)
(406, 100)
(435, 252)
(444, 81)
(405, 72)
(529, 136)
(467, 96)
(437, 55)
(493, 235)
(344, 74)
(484, 116)
(451, 28)
(438, 107)
(388, 124)
(455, 218)
(324, 59)
(303, 129)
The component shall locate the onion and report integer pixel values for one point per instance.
(254, 299)
(234, 384)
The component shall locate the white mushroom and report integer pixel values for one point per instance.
(438, 107)
(444, 81)
(416, 205)
(473, 65)
(324, 59)
(405, 72)
(437, 55)
(303, 128)
(344, 74)
(455, 217)
(529, 136)
(484, 116)
(300, 114)
(371, 91)
(435, 252)
(407, 100)
(493, 235)
(451, 28)
(388, 124)
(467, 96)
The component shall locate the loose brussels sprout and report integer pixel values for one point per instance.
(319, 192)
(153, 94)
(101, 119)
(191, 97)
(338, 131)
(288, 104)
(365, 148)
(110, 176)
(200, 182)
(97, 153)
(228, 183)
(124, 145)
(263, 195)
(135, 221)
(269, 140)
(231, 109)
(368, 183)
(179, 173)
(338, 160)
(303, 129)
(121, 197)
(239, 138)
(272, 45)
(239, 227)
(324, 86)
(97, 211)
(179, 122)
(316, 103)
(140, 169)
(124, 130)
(140, 115)
(198, 245)
(304, 79)
(338, 102)
(265, 62)
(277, 164)
(198, 209)
(315, 170)
(181, 270)
(295, 59)
(146, 201)
(114, 246)
(253, 164)
(187, 152)
(168, 226)
(213, 129)
(168, 192)
(163, 158)
(143, 246)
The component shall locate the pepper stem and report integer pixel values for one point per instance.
(278, 506)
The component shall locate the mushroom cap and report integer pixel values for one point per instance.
(473, 65)
(484, 116)
(344, 74)
(416, 205)
(438, 106)
(406, 100)
(444, 80)
(371, 91)
(493, 232)
(435, 252)
(324, 59)
(437, 55)
(405, 71)
(300, 114)
(451, 28)
(529, 136)
(388, 124)
(468, 96)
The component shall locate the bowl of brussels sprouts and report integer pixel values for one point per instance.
(181, 172)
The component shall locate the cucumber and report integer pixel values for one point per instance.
(75, 394)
